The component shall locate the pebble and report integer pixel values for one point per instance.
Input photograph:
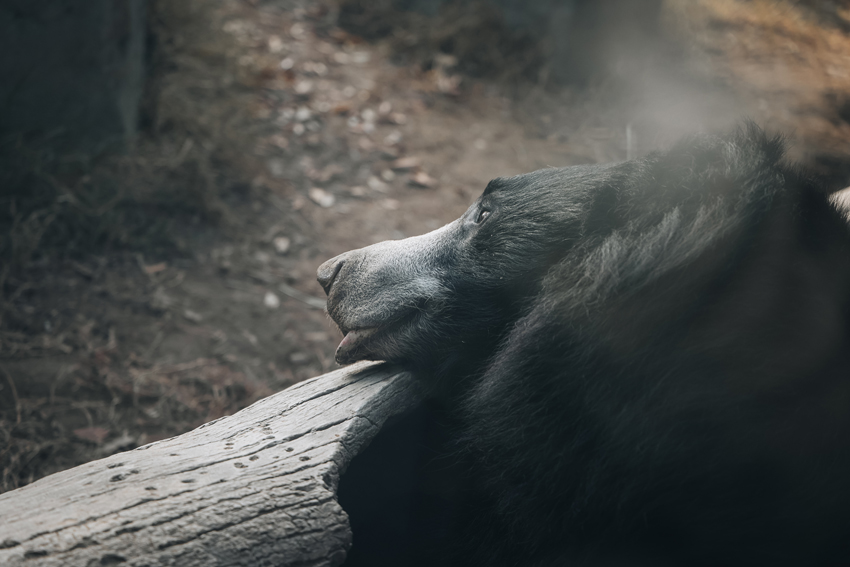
(304, 87)
(303, 114)
(271, 301)
(286, 115)
(281, 244)
(275, 44)
(376, 184)
(193, 316)
(297, 31)
(277, 167)
(298, 357)
(321, 197)
(316, 68)
(279, 141)
(252, 338)
(393, 138)
(360, 57)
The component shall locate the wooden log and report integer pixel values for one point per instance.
(256, 488)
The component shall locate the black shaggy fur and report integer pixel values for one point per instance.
(649, 362)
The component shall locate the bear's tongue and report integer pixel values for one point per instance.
(346, 352)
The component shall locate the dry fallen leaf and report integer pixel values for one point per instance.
(422, 179)
(342, 108)
(92, 434)
(409, 162)
(155, 268)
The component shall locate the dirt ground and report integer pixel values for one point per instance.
(314, 142)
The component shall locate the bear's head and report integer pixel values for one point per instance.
(453, 291)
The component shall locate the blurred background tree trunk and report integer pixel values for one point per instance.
(73, 71)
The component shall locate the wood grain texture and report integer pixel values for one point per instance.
(256, 488)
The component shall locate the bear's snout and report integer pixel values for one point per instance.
(327, 272)
(378, 295)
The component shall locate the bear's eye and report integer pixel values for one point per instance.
(482, 216)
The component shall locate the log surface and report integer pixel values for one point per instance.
(256, 488)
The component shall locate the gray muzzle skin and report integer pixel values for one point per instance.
(373, 291)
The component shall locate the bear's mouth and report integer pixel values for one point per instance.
(351, 348)
(367, 343)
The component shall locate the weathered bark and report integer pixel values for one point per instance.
(255, 488)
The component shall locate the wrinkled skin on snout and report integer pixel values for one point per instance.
(434, 299)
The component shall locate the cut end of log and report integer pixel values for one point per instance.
(258, 484)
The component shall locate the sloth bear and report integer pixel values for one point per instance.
(643, 363)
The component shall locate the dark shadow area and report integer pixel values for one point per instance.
(409, 502)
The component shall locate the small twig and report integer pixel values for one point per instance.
(69, 196)
(84, 407)
(140, 260)
(184, 151)
(14, 393)
(294, 216)
(178, 279)
(313, 302)
(154, 344)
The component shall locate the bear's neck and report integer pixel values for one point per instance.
(782, 318)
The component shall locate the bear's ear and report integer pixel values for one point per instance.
(604, 215)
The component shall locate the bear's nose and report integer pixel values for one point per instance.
(328, 271)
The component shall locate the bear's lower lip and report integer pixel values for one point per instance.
(347, 351)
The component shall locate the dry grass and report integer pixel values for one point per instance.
(180, 168)
(98, 408)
